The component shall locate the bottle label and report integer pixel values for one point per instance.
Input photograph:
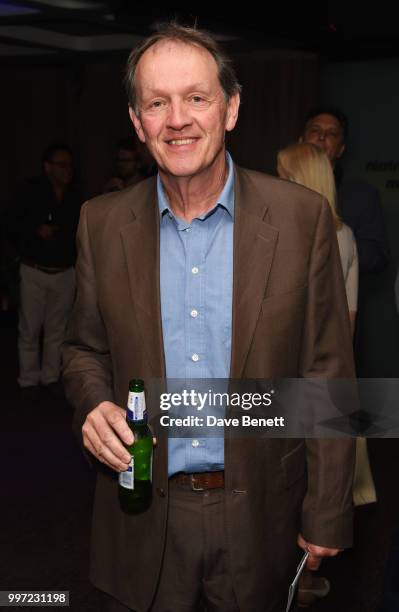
(126, 479)
(136, 408)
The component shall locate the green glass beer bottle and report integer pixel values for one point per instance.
(135, 490)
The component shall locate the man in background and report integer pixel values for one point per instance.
(43, 222)
(129, 166)
(358, 202)
(359, 207)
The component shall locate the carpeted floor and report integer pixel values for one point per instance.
(47, 491)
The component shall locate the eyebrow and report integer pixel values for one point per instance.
(192, 87)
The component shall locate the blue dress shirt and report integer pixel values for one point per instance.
(196, 276)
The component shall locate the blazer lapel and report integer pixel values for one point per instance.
(254, 244)
(140, 240)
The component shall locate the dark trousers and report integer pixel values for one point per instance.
(195, 574)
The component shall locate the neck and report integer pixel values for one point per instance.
(193, 196)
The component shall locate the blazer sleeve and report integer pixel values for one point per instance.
(327, 353)
(87, 371)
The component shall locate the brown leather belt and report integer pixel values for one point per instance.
(46, 269)
(200, 481)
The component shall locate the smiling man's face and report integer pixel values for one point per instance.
(182, 111)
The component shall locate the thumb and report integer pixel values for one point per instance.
(313, 562)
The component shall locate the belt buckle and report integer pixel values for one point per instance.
(193, 486)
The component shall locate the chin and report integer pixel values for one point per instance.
(182, 169)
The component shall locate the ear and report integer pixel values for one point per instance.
(137, 124)
(232, 112)
(47, 168)
(341, 151)
(300, 139)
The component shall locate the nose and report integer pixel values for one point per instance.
(178, 117)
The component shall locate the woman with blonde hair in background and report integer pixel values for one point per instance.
(309, 166)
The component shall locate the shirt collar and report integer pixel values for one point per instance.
(226, 198)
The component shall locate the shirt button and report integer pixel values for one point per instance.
(195, 357)
(194, 313)
(195, 443)
(188, 230)
(194, 270)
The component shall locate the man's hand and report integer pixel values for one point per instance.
(316, 553)
(103, 430)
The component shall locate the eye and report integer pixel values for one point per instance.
(155, 105)
(198, 100)
(332, 134)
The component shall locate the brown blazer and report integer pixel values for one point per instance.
(290, 319)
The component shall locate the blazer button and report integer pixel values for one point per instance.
(161, 491)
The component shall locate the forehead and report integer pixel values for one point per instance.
(61, 155)
(325, 120)
(171, 63)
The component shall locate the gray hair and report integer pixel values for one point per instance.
(190, 36)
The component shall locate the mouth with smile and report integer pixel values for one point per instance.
(181, 142)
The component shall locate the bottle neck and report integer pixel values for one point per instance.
(135, 421)
(136, 407)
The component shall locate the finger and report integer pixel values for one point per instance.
(313, 562)
(154, 440)
(90, 447)
(117, 420)
(100, 457)
(321, 551)
(99, 422)
(301, 542)
(106, 444)
(106, 455)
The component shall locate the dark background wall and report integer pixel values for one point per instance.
(369, 93)
(83, 103)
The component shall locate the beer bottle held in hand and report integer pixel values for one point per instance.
(135, 489)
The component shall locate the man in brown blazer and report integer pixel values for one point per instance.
(225, 538)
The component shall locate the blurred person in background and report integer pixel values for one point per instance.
(359, 207)
(358, 203)
(309, 165)
(128, 167)
(42, 221)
